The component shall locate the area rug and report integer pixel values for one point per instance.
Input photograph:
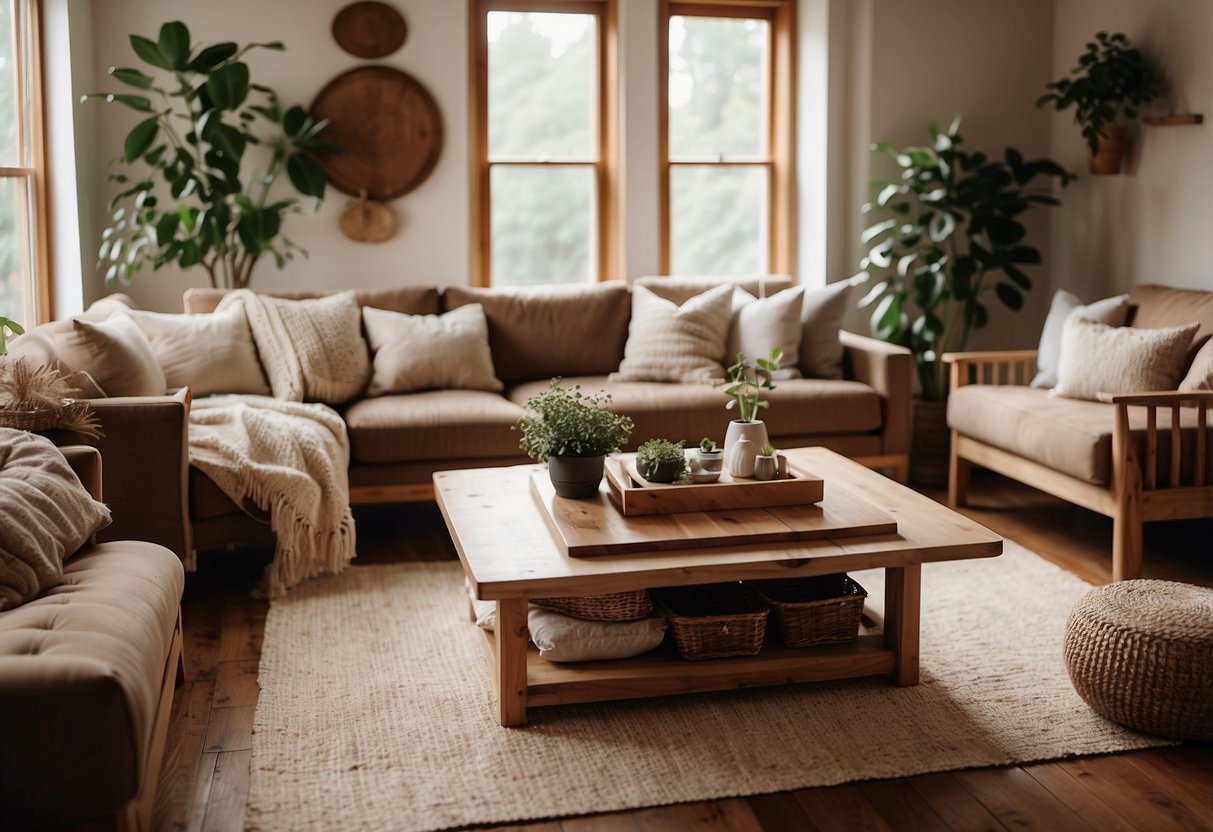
(377, 710)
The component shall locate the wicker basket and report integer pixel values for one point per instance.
(714, 621)
(819, 610)
(617, 606)
(28, 419)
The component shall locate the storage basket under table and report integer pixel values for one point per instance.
(714, 621)
(820, 610)
(615, 606)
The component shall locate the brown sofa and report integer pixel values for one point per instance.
(1138, 458)
(576, 332)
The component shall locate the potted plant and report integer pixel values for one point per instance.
(746, 381)
(12, 327)
(708, 457)
(572, 432)
(949, 239)
(200, 115)
(1111, 79)
(659, 460)
(765, 466)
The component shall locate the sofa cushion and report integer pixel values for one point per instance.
(1111, 311)
(821, 319)
(115, 352)
(436, 424)
(681, 288)
(80, 674)
(1098, 361)
(1200, 374)
(411, 300)
(669, 342)
(429, 352)
(544, 331)
(211, 353)
(761, 325)
(1164, 306)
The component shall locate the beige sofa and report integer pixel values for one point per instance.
(576, 332)
(1138, 458)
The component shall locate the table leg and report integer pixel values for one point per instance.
(510, 670)
(902, 606)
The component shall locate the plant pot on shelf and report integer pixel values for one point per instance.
(931, 442)
(576, 477)
(1111, 152)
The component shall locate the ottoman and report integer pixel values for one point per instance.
(1140, 653)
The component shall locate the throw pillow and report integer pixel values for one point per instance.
(1200, 374)
(47, 515)
(1098, 360)
(1111, 311)
(429, 352)
(115, 353)
(821, 319)
(760, 326)
(667, 342)
(209, 353)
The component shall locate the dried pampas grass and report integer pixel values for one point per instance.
(37, 398)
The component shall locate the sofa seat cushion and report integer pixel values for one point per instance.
(80, 674)
(799, 407)
(1067, 435)
(435, 424)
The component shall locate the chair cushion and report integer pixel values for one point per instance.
(436, 424)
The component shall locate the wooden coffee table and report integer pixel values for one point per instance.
(510, 555)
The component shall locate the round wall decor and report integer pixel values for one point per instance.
(369, 29)
(389, 126)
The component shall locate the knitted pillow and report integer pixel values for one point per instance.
(1111, 311)
(1099, 361)
(429, 352)
(667, 342)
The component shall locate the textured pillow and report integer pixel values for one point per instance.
(209, 353)
(667, 342)
(821, 318)
(1098, 361)
(429, 352)
(760, 326)
(1111, 311)
(115, 353)
(47, 515)
(1200, 374)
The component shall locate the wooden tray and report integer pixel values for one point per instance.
(636, 496)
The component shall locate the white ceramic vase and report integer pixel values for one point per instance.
(755, 432)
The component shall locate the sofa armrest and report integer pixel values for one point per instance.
(991, 367)
(145, 450)
(86, 463)
(889, 370)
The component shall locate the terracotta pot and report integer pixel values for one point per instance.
(576, 477)
(1111, 152)
(932, 440)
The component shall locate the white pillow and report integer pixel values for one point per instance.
(211, 353)
(759, 326)
(115, 353)
(429, 352)
(1099, 361)
(1111, 311)
(821, 319)
(667, 342)
(47, 515)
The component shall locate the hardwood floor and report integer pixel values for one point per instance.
(206, 771)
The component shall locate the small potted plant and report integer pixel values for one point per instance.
(13, 328)
(708, 457)
(1111, 78)
(572, 432)
(765, 466)
(747, 380)
(659, 460)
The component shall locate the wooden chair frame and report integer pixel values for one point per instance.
(1136, 493)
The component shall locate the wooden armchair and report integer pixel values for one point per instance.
(1159, 467)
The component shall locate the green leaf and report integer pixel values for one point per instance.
(174, 44)
(887, 193)
(228, 140)
(228, 86)
(140, 139)
(166, 228)
(1024, 254)
(305, 175)
(1021, 279)
(132, 77)
(149, 52)
(876, 230)
(212, 56)
(1004, 232)
(139, 103)
(294, 121)
(941, 226)
(1011, 297)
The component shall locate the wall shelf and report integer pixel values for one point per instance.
(1175, 120)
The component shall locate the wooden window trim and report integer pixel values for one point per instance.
(781, 122)
(609, 202)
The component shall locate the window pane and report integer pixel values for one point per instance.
(9, 98)
(718, 87)
(718, 219)
(543, 81)
(16, 285)
(544, 225)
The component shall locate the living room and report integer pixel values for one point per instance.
(264, 729)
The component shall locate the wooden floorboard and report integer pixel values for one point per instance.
(206, 771)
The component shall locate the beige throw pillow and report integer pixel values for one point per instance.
(47, 515)
(116, 353)
(429, 352)
(1200, 374)
(1111, 311)
(821, 319)
(667, 342)
(1098, 361)
(208, 353)
(759, 326)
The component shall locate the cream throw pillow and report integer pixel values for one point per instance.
(821, 319)
(47, 515)
(115, 353)
(667, 342)
(212, 353)
(760, 326)
(1098, 361)
(429, 352)
(1111, 311)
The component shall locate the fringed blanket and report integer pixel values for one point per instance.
(290, 459)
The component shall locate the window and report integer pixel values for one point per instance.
(543, 129)
(726, 137)
(23, 288)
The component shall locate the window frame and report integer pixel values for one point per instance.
(607, 203)
(27, 14)
(780, 161)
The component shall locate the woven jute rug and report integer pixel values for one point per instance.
(377, 711)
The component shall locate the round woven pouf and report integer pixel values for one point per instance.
(1141, 653)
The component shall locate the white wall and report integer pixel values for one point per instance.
(1150, 224)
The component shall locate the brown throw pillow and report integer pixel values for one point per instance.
(1200, 374)
(115, 353)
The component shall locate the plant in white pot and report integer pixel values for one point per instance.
(747, 433)
(572, 432)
